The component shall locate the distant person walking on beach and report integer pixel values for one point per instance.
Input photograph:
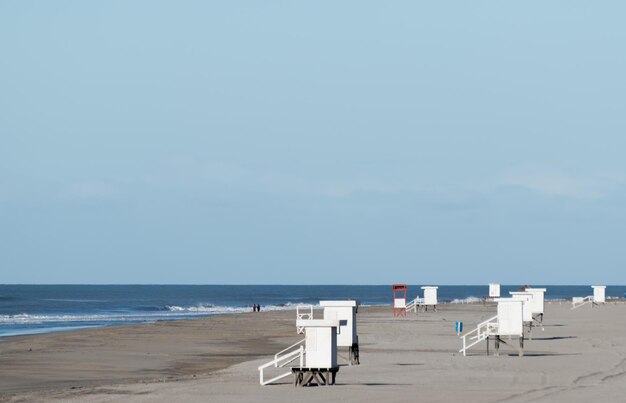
(258, 308)
(254, 308)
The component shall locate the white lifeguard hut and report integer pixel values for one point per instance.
(538, 303)
(598, 297)
(399, 299)
(494, 290)
(320, 342)
(527, 306)
(430, 297)
(317, 357)
(508, 322)
(345, 312)
(599, 294)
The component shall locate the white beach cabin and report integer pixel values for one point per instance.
(598, 297)
(510, 317)
(345, 312)
(430, 297)
(508, 322)
(320, 342)
(527, 308)
(538, 303)
(494, 290)
(316, 355)
(320, 360)
(599, 294)
(527, 298)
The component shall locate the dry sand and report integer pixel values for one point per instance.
(580, 356)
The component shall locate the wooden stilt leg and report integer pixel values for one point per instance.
(521, 346)
(317, 375)
(497, 346)
(487, 345)
(307, 378)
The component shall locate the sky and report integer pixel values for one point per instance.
(288, 142)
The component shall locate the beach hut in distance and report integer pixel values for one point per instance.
(494, 290)
(538, 303)
(526, 297)
(599, 294)
(598, 297)
(508, 322)
(531, 307)
(345, 312)
(527, 307)
(430, 297)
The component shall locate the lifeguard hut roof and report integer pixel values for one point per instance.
(338, 303)
(317, 323)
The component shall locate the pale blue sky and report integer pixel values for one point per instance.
(319, 142)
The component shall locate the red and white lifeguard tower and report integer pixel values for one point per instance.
(399, 300)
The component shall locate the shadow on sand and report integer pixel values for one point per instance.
(406, 364)
(554, 338)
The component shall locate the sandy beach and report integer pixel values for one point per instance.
(581, 354)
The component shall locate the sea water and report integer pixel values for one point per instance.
(27, 309)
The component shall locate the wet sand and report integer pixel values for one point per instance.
(580, 355)
(73, 361)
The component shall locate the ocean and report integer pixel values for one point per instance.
(28, 309)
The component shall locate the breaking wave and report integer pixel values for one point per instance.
(168, 313)
(468, 300)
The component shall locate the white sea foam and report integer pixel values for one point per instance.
(468, 300)
(228, 309)
(113, 317)
(172, 312)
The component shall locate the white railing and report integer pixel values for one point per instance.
(577, 302)
(278, 354)
(482, 331)
(303, 312)
(412, 306)
(280, 362)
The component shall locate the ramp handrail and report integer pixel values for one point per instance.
(289, 357)
(277, 355)
(412, 306)
(577, 302)
(482, 331)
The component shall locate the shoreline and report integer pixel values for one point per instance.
(62, 329)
